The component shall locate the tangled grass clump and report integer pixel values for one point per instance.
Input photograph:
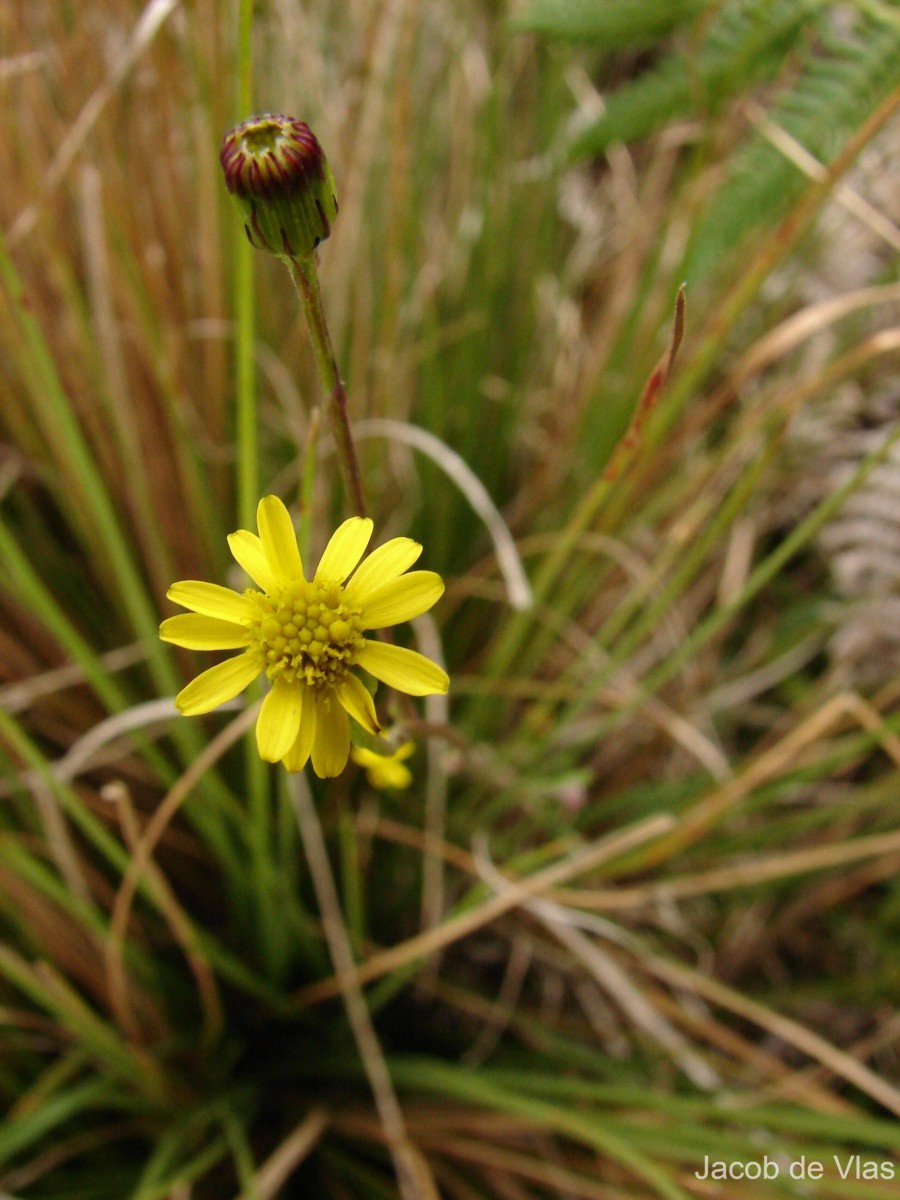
(625, 899)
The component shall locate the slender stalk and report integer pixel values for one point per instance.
(245, 308)
(305, 275)
(245, 369)
(308, 480)
(247, 480)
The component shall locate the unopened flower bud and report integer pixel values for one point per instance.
(276, 171)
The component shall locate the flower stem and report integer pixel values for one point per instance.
(306, 280)
(247, 423)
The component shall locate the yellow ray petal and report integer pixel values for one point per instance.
(196, 632)
(249, 554)
(345, 549)
(358, 702)
(298, 755)
(212, 600)
(401, 599)
(383, 565)
(406, 670)
(331, 746)
(220, 683)
(279, 721)
(276, 530)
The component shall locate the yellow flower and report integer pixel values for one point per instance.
(385, 770)
(307, 636)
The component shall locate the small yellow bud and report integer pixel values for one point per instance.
(385, 772)
(281, 182)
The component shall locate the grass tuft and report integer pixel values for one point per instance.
(639, 907)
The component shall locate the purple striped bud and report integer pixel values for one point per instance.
(282, 184)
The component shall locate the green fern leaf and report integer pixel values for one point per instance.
(841, 81)
(745, 45)
(608, 24)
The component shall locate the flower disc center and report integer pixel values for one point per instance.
(264, 135)
(305, 633)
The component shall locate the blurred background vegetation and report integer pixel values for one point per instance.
(640, 903)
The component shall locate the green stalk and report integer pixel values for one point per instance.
(248, 493)
(307, 483)
(247, 438)
(306, 280)
(245, 371)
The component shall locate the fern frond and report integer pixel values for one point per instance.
(608, 24)
(840, 82)
(861, 542)
(744, 45)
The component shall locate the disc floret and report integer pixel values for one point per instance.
(306, 633)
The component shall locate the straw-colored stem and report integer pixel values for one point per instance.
(413, 1176)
